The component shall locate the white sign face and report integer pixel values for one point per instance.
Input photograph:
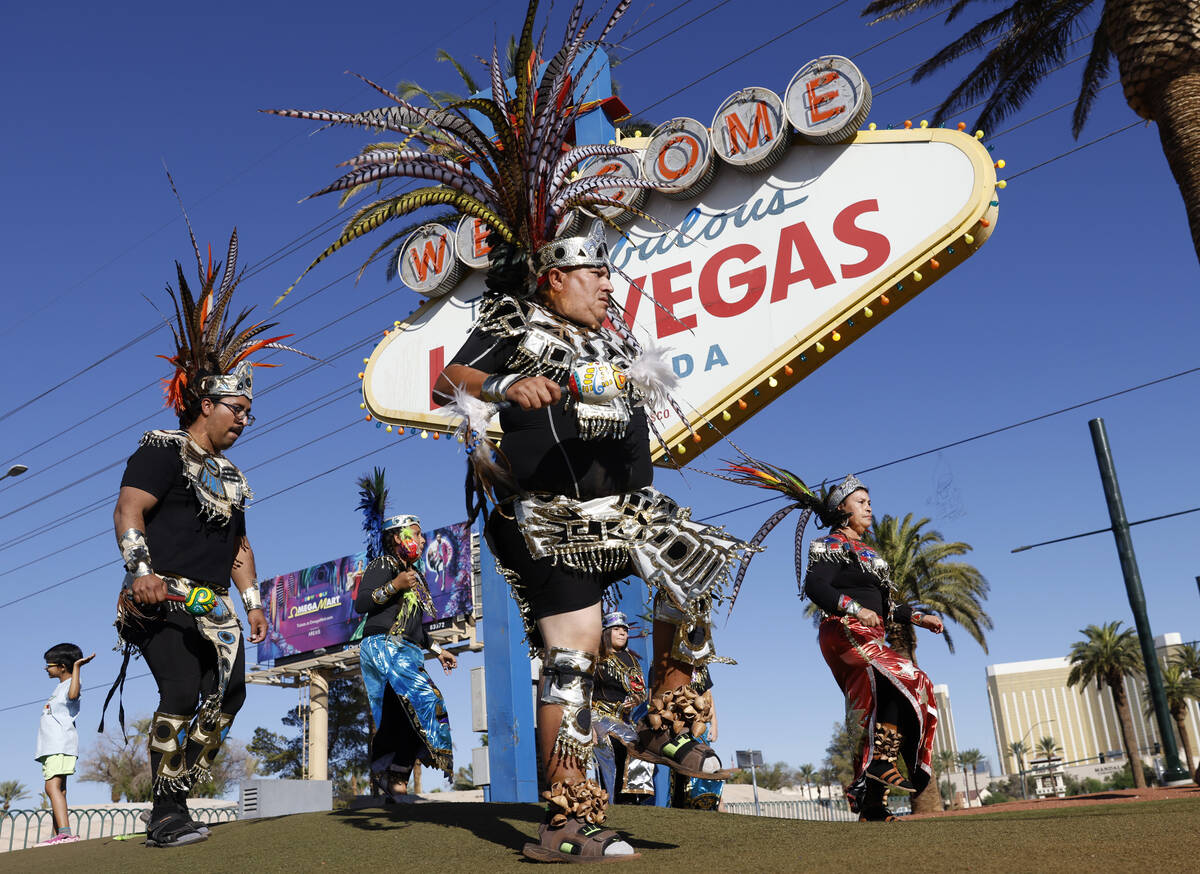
(428, 263)
(760, 279)
(470, 240)
(749, 129)
(827, 99)
(679, 155)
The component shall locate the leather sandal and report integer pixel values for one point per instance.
(682, 752)
(575, 841)
(172, 830)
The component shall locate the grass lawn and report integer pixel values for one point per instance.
(1146, 835)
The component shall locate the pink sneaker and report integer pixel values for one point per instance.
(58, 839)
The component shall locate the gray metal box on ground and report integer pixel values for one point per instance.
(261, 797)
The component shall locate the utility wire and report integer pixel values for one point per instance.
(85, 689)
(1077, 148)
(1103, 530)
(258, 501)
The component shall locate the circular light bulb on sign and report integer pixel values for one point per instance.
(428, 262)
(623, 166)
(679, 158)
(750, 131)
(828, 100)
(471, 242)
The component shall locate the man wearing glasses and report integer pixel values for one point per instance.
(181, 527)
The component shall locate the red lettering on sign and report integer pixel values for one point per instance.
(754, 281)
(762, 125)
(479, 243)
(812, 262)
(815, 113)
(422, 262)
(437, 363)
(667, 322)
(611, 194)
(693, 149)
(875, 244)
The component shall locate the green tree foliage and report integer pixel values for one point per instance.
(10, 791)
(349, 736)
(464, 778)
(1179, 687)
(928, 579)
(971, 759)
(774, 776)
(1106, 656)
(1156, 45)
(1188, 658)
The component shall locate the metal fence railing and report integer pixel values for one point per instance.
(20, 829)
(820, 811)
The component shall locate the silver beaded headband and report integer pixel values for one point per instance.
(848, 486)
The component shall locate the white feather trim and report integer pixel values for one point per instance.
(475, 416)
(653, 375)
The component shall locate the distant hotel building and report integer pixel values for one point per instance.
(944, 737)
(1031, 700)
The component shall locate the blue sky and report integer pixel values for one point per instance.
(1086, 287)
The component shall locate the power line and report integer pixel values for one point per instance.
(85, 689)
(1001, 430)
(258, 501)
(1077, 148)
(1104, 530)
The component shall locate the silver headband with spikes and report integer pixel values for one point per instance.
(567, 253)
(400, 521)
(240, 382)
(848, 486)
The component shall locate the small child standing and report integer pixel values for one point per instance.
(58, 741)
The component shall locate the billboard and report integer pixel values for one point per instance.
(313, 608)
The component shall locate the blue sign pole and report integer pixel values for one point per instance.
(512, 753)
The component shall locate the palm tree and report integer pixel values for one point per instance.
(973, 758)
(1019, 750)
(943, 764)
(807, 774)
(10, 791)
(927, 580)
(1188, 658)
(1179, 687)
(1107, 656)
(963, 762)
(1047, 748)
(1156, 44)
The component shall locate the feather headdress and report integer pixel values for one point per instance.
(751, 472)
(514, 172)
(372, 501)
(211, 351)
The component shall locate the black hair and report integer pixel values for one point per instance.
(65, 654)
(191, 412)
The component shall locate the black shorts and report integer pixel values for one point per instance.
(547, 589)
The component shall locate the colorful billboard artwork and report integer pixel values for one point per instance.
(448, 570)
(314, 608)
(311, 608)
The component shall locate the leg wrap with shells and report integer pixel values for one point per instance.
(168, 759)
(579, 799)
(681, 711)
(567, 681)
(884, 754)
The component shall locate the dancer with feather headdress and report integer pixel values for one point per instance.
(889, 697)
(574, 508)
(410, 715)
(181, 529)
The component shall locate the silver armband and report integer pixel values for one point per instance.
(383, 593)
(495, 387)
(135, 552)
(251, 598)
(853, 608)
(435, 649)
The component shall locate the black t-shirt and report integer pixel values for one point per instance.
(181, 540)
(612, 685)
(543, 448)
(829, 578)
(381, 617)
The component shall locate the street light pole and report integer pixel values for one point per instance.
(1028, 731)
(1173, 773)
(15, 470)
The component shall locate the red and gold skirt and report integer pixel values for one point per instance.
(852, 649)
